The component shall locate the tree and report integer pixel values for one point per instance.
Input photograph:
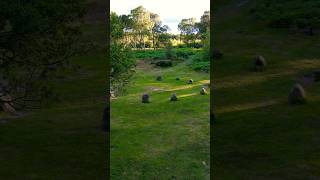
(142, 23)
(116, 26)
(120, 56)
(160, 34)
(37, 39)
(156, 27)
(204, 24)
(187, 28)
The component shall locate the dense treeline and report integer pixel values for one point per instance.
(144, 29)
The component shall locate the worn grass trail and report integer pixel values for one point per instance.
(162, 139)
(258, 135)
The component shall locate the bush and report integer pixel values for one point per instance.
(122, 64)
(164, 63)
(200, 66)
(170, 54)
(149, 54)
(182, 46)
(184, 53)
(197, 45)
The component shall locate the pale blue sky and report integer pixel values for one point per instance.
(171, 11)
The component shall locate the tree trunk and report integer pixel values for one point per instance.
(154, 47)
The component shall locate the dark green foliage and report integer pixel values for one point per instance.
(164, 63)
(201, 66)
(121, 64)
(149, 54)
(170, 54)
(182, 54)
(201, 61)
(40, 37)
(182, 46)
(121, 57)
(116, 26)
(287, 14)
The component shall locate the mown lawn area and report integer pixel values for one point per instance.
(162, 139)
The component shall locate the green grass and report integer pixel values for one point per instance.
(162, 139)
(63, 140)
(258, 135)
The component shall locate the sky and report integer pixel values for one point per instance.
(170, 11)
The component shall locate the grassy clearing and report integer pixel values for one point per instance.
(258, 135)
(163, 139)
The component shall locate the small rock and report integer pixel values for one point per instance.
(145, 98)
(259, 63)
(297, 95)
(203, 91)
(6, 104)
(190, 81)
(174, 97)
(177, 78)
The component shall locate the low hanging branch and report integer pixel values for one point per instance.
(34, 46)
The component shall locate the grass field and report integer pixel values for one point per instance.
(258, 135)
(162, 139)
(62, 140)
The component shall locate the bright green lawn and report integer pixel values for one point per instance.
(163, 139)
(258, 135)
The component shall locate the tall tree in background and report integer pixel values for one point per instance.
(204, 24)
(142, 23)
(188, 29)
(156, 28)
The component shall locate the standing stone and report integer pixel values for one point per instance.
(145, 98)
(190, 81)
(159, 78)
(203, 91)
(177, 78)
(6, 104)
(297, 95)
(174, 97)
(259, 63)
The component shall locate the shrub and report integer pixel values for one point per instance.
(122, 64)
(164, 63)
(170, 54)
